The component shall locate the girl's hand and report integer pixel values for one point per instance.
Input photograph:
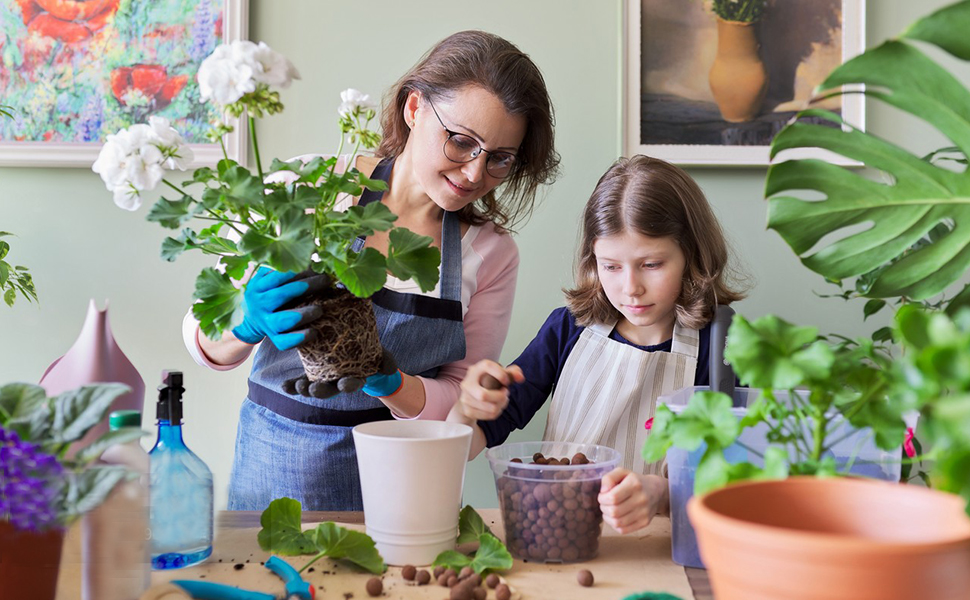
(478, 402)
(629, 501)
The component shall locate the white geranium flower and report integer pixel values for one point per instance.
(110, 164)
(274, 69)
(227, 74)
(127, 197)
(177, 154)
(352, 100)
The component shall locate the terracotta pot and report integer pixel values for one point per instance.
(348, 345)
(29, 563)
(840, 539)
(738, 78)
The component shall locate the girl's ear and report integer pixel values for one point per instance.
(411, 107)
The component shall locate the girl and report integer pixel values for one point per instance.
(651, 271)
(467, 141)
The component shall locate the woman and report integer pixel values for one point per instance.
(467, 141)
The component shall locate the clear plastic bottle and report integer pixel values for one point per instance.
(181, 488)
(115, 535)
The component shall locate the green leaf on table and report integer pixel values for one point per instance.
(281, 531)
(772, 353)
(411, 256)
(364, 274)
(452, 559)
(339, 542)
(173, 213)
(470, 525)
(492, 555)
(220, 306)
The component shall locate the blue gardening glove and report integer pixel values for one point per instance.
(385, 382)
(379, 385)
(265, 294)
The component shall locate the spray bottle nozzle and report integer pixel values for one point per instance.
(169, 407)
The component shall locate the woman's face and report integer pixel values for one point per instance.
(471, 111)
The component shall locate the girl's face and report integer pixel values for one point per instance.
(471, 111)
(642, 278)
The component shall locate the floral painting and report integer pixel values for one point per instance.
(75, 71)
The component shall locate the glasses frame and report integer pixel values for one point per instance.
(489, 153)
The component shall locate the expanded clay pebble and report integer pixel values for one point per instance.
(479, 593)
(423, 577)
(460, 592)
(492, 580)
(585, 578)
(438, 571)
(466, 572)
(502, 592)
(375, 586)
(408, 572)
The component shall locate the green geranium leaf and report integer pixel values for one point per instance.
(370, 218)
(706, 418)
(492, 555)
(244, 187)
(236, 266)
(377, 185)
(470, 525)
(772, 353)
(341, 543)
(172, 248)
(291, 250)
(411, 256)
(659, 440)
(77, 411)
(713, 471)
(365, 274)
(281, 532)
(173, 213)
(220, 306)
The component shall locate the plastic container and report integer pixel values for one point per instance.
(550, 512)
(870, 461)
(181, 488)
(115, 535)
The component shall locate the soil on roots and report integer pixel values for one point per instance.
(348, 345)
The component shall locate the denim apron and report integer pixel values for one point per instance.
(302, 447)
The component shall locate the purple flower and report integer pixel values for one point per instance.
(90, 119)
(203, 33)
(30, 483)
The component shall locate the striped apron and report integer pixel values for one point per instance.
(609, 389)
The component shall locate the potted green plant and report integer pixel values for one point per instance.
(14, 279)
(42, 490)
(283, 218)
(839, 537)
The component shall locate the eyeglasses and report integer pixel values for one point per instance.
(461, 148)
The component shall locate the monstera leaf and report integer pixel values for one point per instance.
(914, 216)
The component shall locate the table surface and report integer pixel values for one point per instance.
(613, 549)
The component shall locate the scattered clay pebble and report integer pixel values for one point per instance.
(408, 572)
(449, 572)
(375, 586)
(466, 572)
(452, 580)
(585, 578)
(460, 592)
(479, 593)
(502, 592)
(492, 580)
(438, 571)
(516, 460)
(239, 566)
(423, 577)
(443, 580)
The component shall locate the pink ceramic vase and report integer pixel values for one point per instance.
(95, 358)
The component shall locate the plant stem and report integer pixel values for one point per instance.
(820, 424)
(173, 186)
(252, 135)
(228, 222)
(313, 560)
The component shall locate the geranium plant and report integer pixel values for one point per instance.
(40, 486)
(287, 221)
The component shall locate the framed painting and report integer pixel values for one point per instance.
(700, 89)
(76, 71)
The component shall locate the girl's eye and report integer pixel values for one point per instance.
(609, 267)
(653, 265)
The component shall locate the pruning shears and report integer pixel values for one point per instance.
(296, 588)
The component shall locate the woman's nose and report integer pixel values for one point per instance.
(474, 169)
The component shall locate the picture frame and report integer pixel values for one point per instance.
(668, 107)
(78, 80)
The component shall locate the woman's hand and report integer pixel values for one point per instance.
(629, 501)
(478, 399)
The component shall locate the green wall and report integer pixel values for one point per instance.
(80, 246)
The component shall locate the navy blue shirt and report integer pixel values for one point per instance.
(542, 362)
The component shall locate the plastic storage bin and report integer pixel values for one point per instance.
(870, 461)
(551, 512)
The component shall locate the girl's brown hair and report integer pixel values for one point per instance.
(486, 60)
(656, 199)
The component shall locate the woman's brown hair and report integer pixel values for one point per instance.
(656, 199)
(486, 60)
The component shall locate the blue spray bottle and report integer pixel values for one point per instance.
(181, 488)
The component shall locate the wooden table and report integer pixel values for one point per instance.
(625, 564)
